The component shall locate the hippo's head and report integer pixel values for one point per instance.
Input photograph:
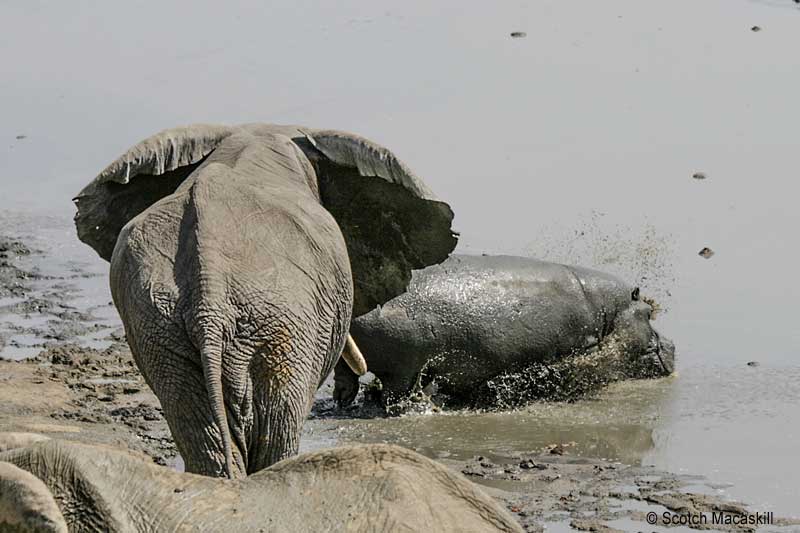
(651, 354)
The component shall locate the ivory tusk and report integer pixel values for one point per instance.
(353, 358)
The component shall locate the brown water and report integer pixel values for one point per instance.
(734, 426)
(577, 142)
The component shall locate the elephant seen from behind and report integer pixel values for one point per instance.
(238, 255)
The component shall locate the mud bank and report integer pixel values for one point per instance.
(554, 489)
(67, 387)
(73, 390)
(83, 394)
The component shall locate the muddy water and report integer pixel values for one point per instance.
(66, 296)
(577, 143)
(618, 426)
(733, 425)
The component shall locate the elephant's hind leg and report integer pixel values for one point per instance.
(172, 369)
(280, 414)
(195, 431)
(282, 397)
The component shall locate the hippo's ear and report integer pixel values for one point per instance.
(635, 294)
(149, 171)
(390, 219)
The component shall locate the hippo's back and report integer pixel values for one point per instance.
(497, 310)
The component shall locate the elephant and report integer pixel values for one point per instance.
(12, 440)
(238, 256)
(502, 330)
(60, 486)
(26, 504)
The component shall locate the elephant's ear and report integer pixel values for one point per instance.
(144, 174)
(390, 219)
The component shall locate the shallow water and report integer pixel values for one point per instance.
(68, 274)
(575, 143)
(724, 423)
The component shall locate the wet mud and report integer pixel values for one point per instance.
(55, 379)
(554, 489)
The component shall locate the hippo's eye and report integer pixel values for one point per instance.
(635, 294)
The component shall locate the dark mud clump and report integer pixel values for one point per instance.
(706, 253)
(11, 247)
(14, 281)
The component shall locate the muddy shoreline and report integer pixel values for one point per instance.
(83, 385)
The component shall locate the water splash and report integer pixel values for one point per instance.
(571, 378)
(640, 255)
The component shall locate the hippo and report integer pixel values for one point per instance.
(500, 331)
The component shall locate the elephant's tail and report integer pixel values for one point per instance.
(211, 359)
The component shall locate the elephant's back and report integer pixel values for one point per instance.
(276, 254)
(372, 488)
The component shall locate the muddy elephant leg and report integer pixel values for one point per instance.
(394, 386)
(280, 415)
(345, 384)
(395, 390)
(293, 359)
(172, 369)
(187, 410)
(264, 421)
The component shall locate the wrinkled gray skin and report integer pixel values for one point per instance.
(358, 489)
(26, 504)
(473, 318)
(231, 251)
